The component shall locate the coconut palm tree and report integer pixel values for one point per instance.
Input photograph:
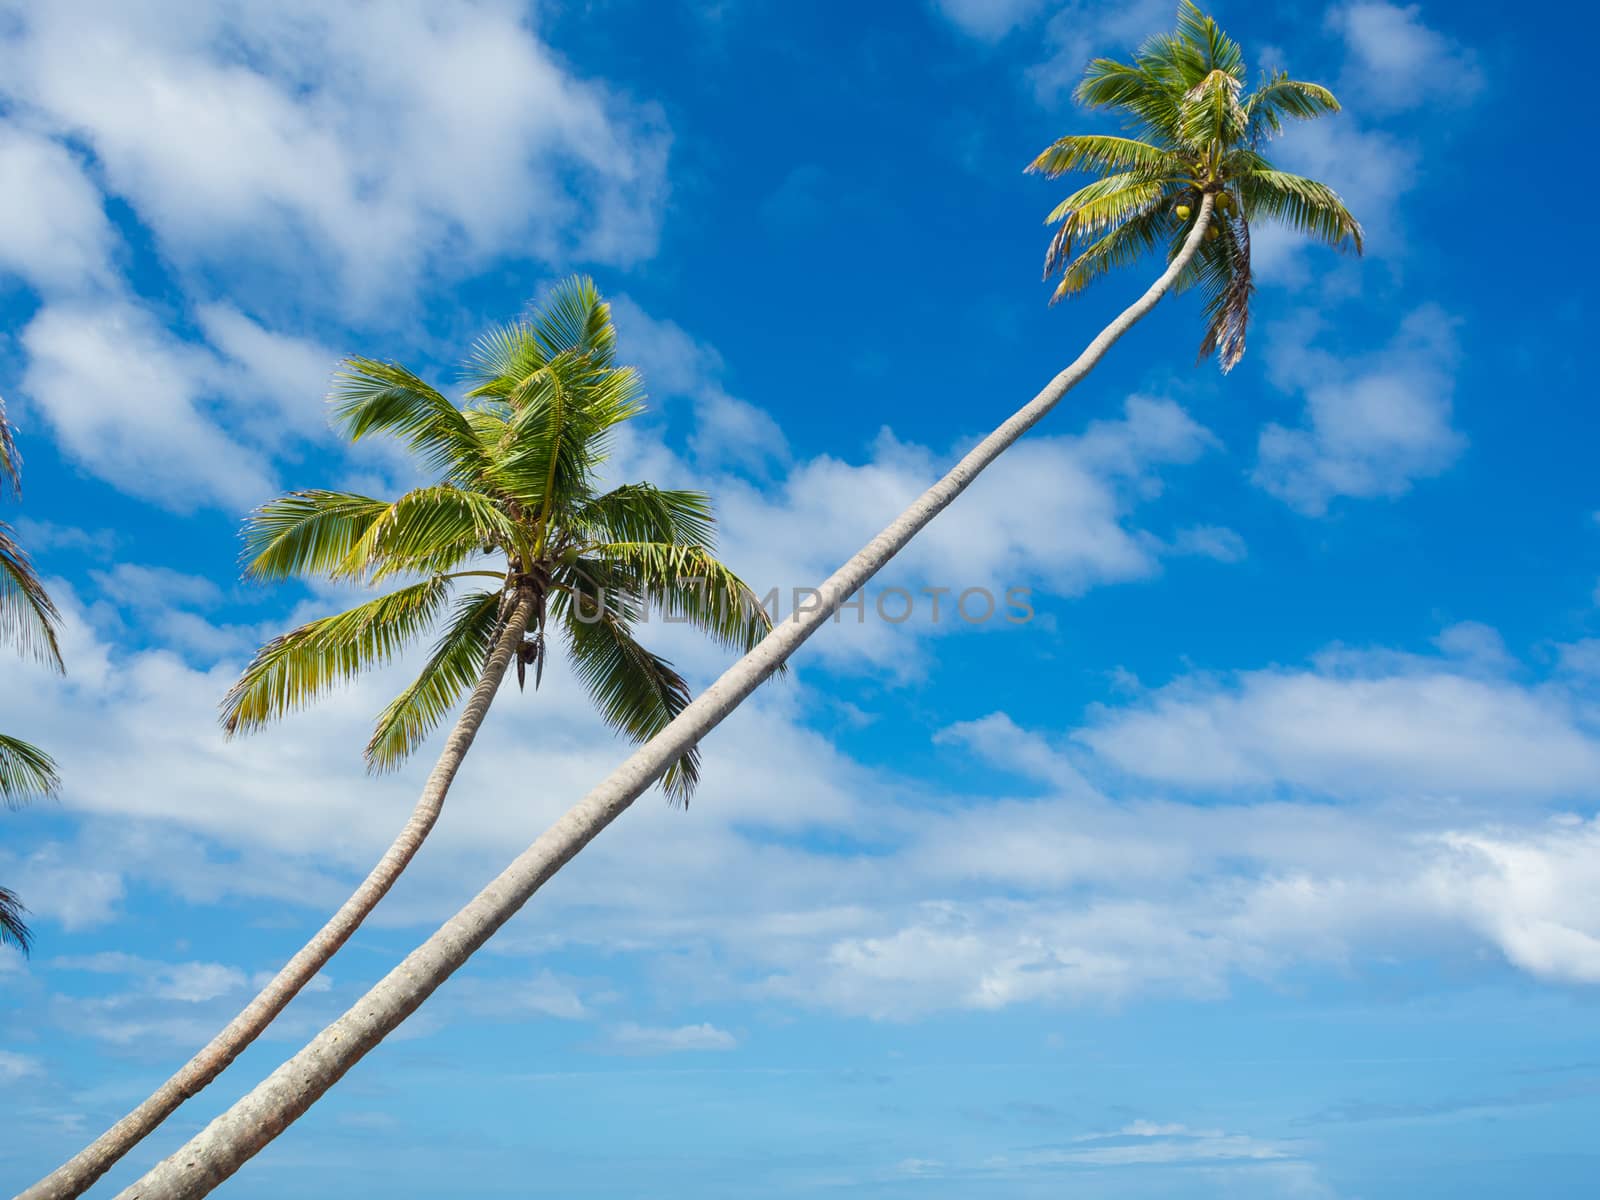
(1182, 92)
(28, 620)
(514, 547)
(1195, 134)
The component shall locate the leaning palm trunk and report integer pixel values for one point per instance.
(245, 1129)
(78, 1174)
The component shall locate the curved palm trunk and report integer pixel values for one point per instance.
(75, 1176)
(233, 1138)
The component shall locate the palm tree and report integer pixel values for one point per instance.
(1182, 92)
(28, 619)
(1196, 139)
(515, 545)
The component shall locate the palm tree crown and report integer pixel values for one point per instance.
(28, 620)
(1195, 133)
(517, 500)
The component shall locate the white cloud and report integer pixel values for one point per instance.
(144, 587)
(1370, 169)
(1080, 31)
(41, 536)
(729, 433)
(1077, 529)
(987, 20)
(1374, 425)
(186, 982)
(16, 1067)
(157, 437)
(1355, 727)
(1146, 1143)
(1073, 532)
(53, 228)
(1076, 32)
(141, 1014)
(629, 1038)
(60, 888)
(545, 994)
(240, 131)
(1397, 62)
(1534, 895)
(913, 900)
(190, 425)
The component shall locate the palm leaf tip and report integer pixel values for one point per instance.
(26, 772)
(297, 667)
(13, 927)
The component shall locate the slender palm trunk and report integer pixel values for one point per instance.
(233, 1138)
(75, 1176)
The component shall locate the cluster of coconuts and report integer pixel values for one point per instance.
(1224, 204)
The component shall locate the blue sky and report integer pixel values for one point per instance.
(1262, 862)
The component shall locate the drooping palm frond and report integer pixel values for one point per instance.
(26, 772)
(1306, 206)
(641, 512)
(10, 458)
(295, 668)
(458, 656)
(1279, 97)
(13, 928)
(310, 532)
(28, 617)
(1083, 152)
(686, 584)
(1229, 284)
(636, 692)
(1192, 132)
(431, 530)
(1121, 247)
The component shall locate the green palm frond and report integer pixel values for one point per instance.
(26, 772)
(1218, 51)
(13, 928)
(1229, 283)
(309, 533)
(1102, 206)
(560, 433)
(573, 321)
(1213, 116)
(378, 397)
(28, 617)
(10, 458)
(1098, 152)
(1279, 97)
(1135, 89)
(451, 670)
(1124, 245)
(636, 692)
(431, 530)
(641, 512)
(1304, 205)
(685, 583)
(295, 668)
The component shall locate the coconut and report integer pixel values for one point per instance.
(1183, 212)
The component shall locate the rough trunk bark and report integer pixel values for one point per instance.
(79, 1173)
(225, 1145)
